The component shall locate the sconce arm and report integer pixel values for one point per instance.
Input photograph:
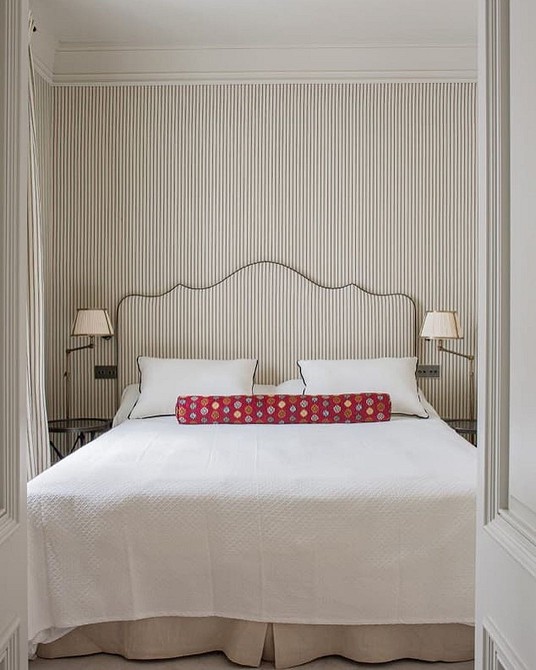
(440, 347)
(91, 345)
(67, 373)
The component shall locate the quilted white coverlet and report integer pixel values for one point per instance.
(342, 524)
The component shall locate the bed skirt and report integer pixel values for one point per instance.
(249, 642)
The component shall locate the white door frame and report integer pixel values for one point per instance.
(514, 536)
(13, 203)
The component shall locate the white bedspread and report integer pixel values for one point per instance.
(342, 524)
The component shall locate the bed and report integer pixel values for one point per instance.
(278, 542)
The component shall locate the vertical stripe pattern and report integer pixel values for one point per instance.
(366, 183)
(12, 294)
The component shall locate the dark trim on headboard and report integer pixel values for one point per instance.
(178, 285)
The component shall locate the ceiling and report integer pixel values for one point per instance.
(246, 23)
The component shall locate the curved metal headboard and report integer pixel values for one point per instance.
(265, 310)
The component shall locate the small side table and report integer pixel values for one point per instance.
(80, 428)
(465, 427)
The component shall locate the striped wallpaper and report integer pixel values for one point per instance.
(152, 185)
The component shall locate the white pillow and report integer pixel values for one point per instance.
(264, 389)
(291, 387)
(130, 396)
(288, 387)
(163, 379)
(395, 376)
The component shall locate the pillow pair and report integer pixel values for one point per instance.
(163, 380)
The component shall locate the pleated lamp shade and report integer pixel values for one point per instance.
(92, 323)
(441, 325)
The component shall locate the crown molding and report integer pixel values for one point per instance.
(44, 53)
(112, 46)
(43, 70)
(94, 63)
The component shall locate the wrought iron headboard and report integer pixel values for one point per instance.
(265, 310)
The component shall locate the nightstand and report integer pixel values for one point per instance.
(464, 427)
(83, 430)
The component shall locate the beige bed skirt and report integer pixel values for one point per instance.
(249, 642)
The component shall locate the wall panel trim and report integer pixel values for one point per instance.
(90, 63)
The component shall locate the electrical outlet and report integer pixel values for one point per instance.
(428, 371)
(106, 372)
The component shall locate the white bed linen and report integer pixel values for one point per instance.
(331, 524)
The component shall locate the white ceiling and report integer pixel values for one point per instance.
(272, 23)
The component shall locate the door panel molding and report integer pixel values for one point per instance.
(498, 655)
(495, 252)
(506, 541)
(516, 536)
(9, 647)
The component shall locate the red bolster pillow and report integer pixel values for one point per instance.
(256, 409)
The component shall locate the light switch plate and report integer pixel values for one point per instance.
(106, 372)
(428, 371)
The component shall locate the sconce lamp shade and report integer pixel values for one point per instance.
(92, 323)
(441, 325)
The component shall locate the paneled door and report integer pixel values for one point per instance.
(506, 543)
(13, 163)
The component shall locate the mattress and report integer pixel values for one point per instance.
(333, 524)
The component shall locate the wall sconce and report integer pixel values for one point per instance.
(445, 325)
(87, 323)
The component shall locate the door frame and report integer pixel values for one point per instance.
(13, 265)
(494, 516)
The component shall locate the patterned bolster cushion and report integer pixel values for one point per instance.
(256, 409)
